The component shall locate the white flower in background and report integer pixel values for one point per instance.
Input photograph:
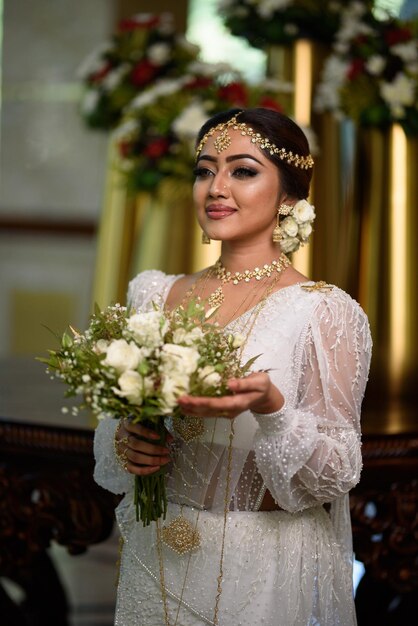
(333, 75)
(179, 358)
(89, 101)
(398, 94)
(115, 77)
(130, 387)
(122, 355)
(209, 377)
(305, 230)
(375, 64)
(94, 61)
(127, 129)
(189, 338)
(159, 53)
(408, 52)
(164, 87)
(148, 328)
(190, 120)
(303, 212)
(352, 25)
(289, 226)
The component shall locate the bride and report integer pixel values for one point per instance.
(258, 527)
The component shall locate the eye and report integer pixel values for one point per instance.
(244, 172)
(202, 172)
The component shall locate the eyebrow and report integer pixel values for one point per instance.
(233, 157)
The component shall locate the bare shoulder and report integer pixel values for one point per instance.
(180, 289)
(292, 277)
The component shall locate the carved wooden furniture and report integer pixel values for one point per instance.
(47, 493)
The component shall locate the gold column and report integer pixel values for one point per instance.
(120, 219)
(142, 232)
(386, 191)
(301, 63)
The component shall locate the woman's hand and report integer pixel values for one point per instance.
(255, 392)
(137, 446)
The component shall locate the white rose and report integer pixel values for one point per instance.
(179, 358)
(289, 226)
(305, 231)
(303, 212)
(180, 335)
(122, 355)
(238, 341)
(209, 377)
(130, 387)
(100, 347)
(291, 244)
(173, 386)
(148, 385)
(148, 328)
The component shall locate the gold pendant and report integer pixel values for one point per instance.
(216, 298)
(189, 427)
(180, 535)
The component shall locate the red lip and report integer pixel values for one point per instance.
(219, 211)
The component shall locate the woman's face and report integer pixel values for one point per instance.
(237, 192)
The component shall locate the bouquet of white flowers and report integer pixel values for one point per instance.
(136, 365)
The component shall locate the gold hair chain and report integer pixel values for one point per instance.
(223, 142)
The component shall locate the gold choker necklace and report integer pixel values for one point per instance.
(217, 297)
(258, 272)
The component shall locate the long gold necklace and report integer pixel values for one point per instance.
(189, 539)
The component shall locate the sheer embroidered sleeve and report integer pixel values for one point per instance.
(310, 453)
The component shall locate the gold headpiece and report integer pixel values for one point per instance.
(224, 141)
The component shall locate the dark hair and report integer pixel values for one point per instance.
(280, 130)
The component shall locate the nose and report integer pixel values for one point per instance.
(219, 187)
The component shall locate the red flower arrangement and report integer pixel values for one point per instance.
(144, 48)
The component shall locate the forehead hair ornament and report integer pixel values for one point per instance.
(223, 141)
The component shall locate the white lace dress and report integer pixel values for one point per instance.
(290, 567)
